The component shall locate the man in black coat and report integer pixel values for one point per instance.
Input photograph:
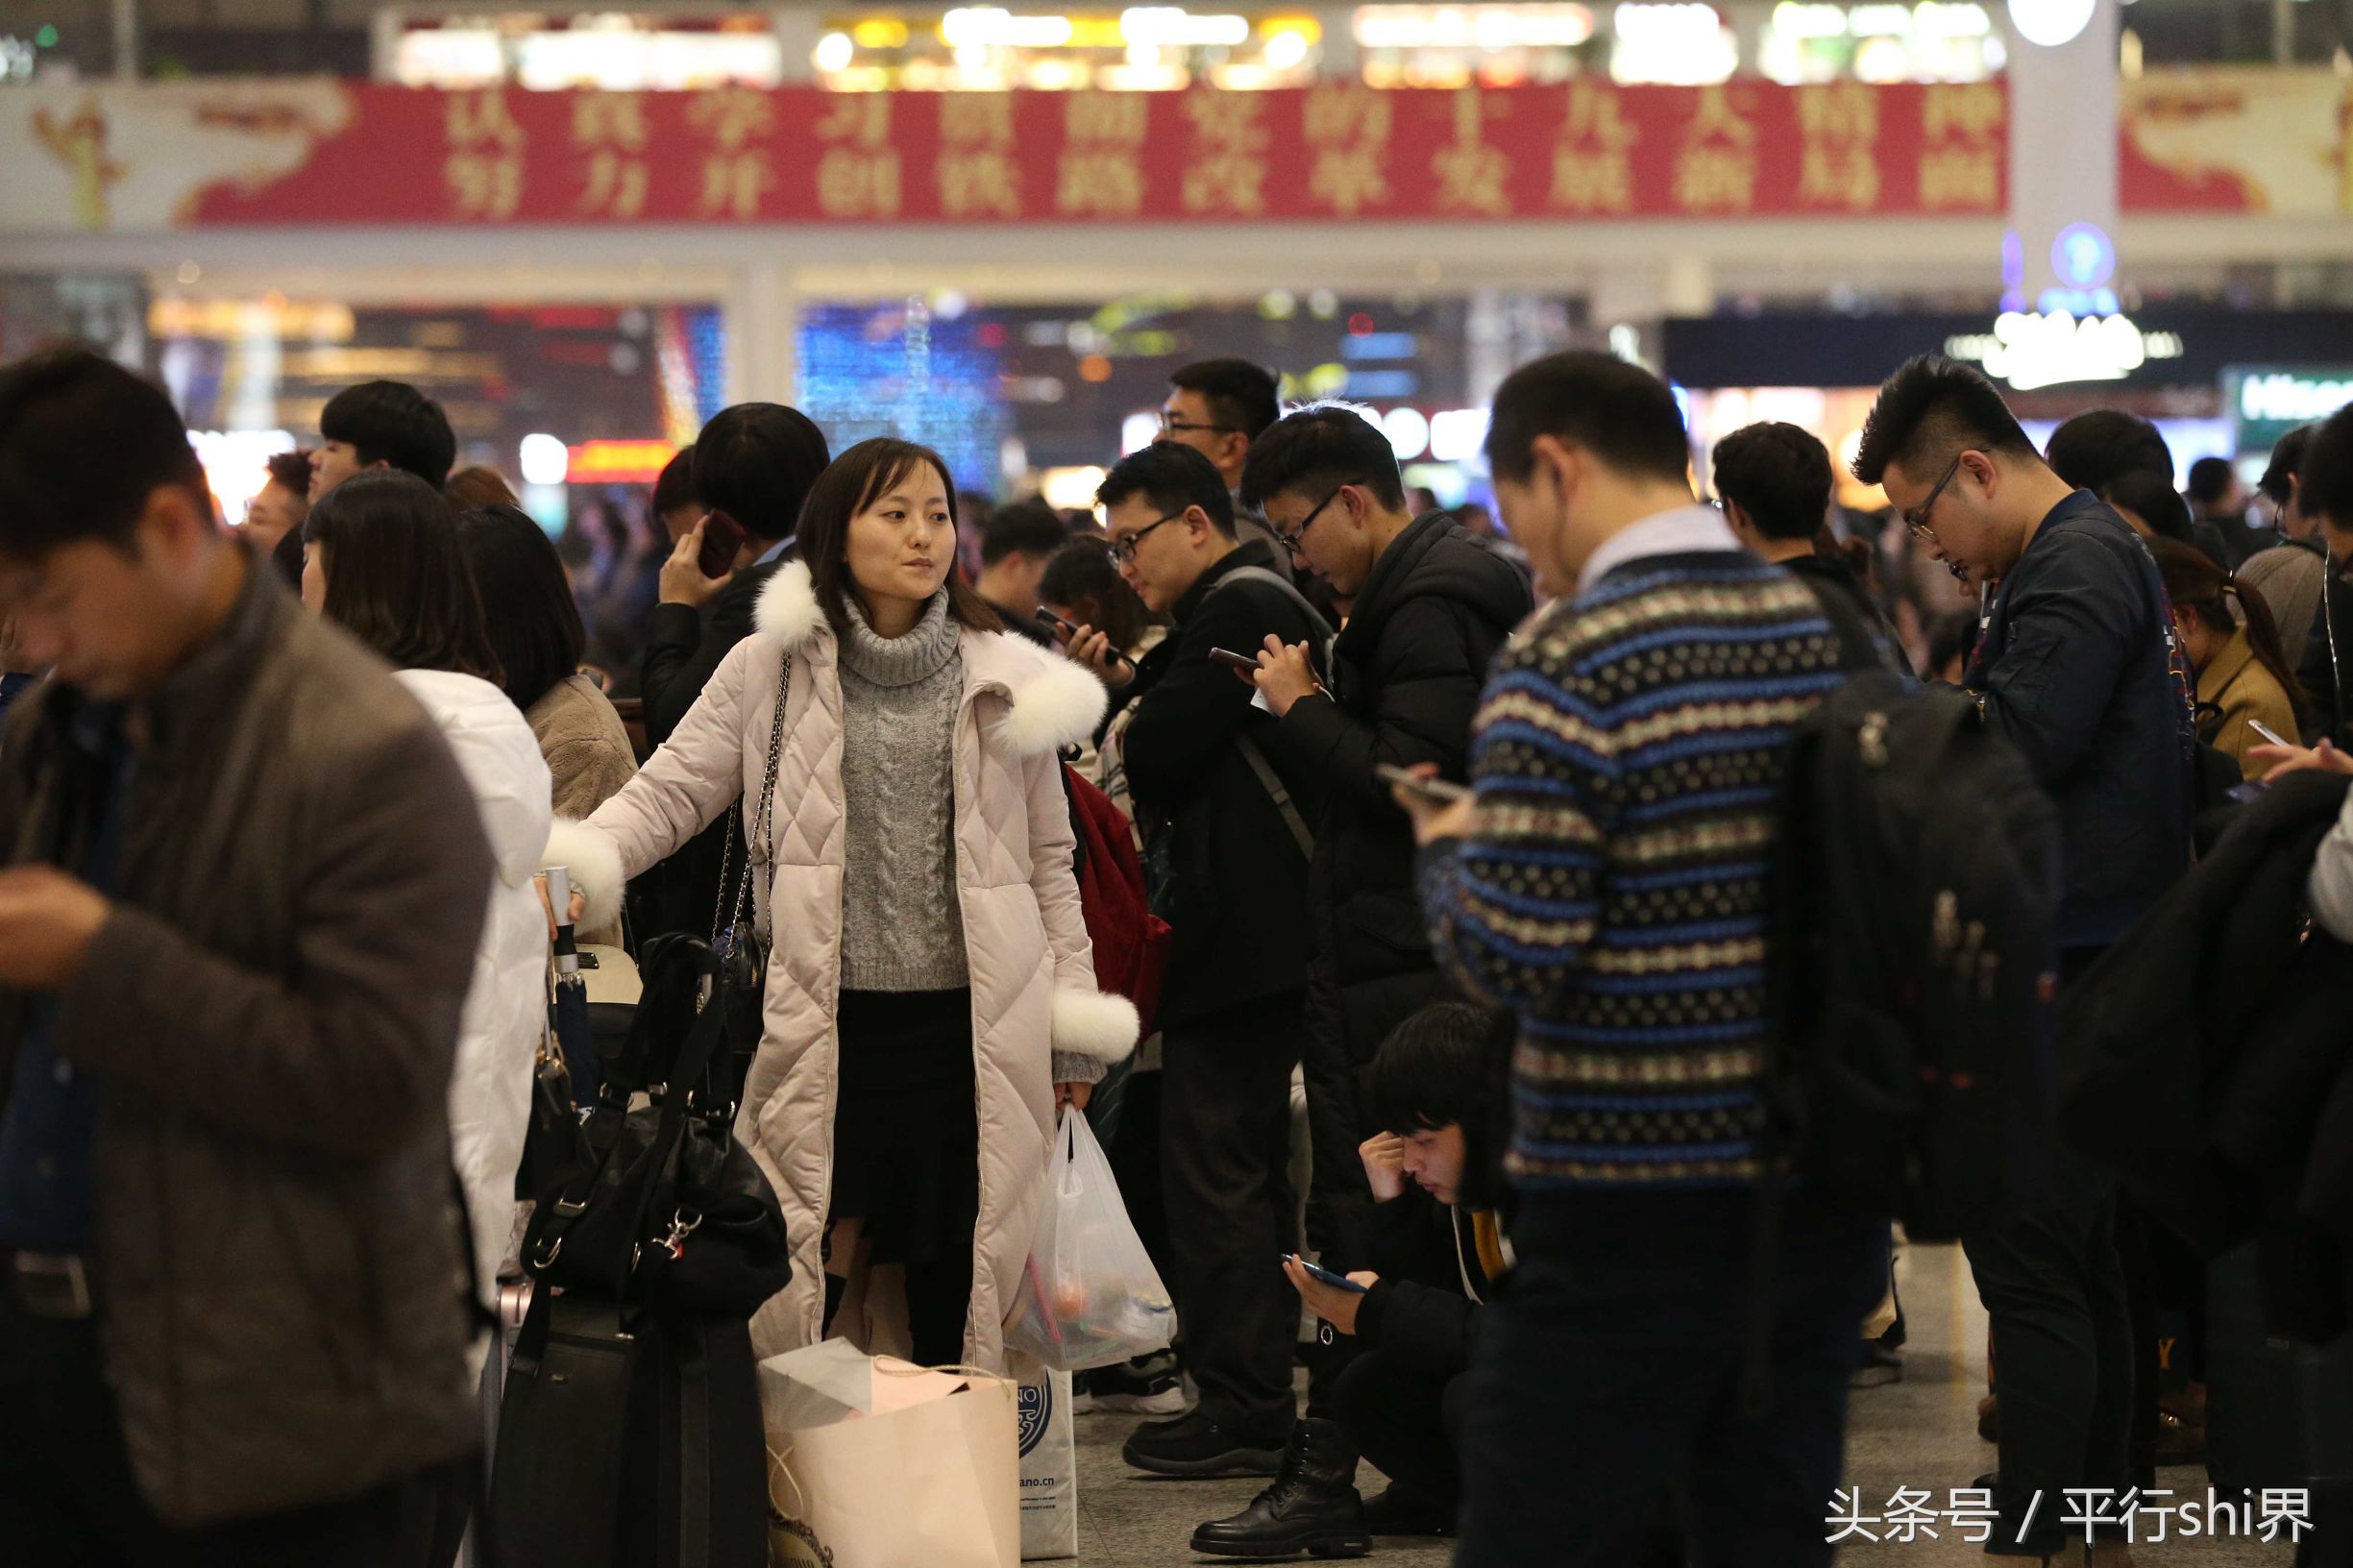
(753, 462)
(1774, 482)
(1431, 608)
(1434, 1092)
(1223, 824)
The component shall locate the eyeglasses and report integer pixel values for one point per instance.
(1917, 519)
(1123, 550)
(1173, 424)
(1291, 541)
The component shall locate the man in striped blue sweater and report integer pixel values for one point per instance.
(1607, 883)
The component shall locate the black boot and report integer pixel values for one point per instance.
(1312, 1507)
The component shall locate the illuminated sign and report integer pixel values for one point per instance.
(2036, 349)
(2267, 402)
(618, 463)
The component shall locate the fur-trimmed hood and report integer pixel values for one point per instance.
(1054, 702)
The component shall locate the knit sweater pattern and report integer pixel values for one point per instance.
(1611, 889)
(903, 922)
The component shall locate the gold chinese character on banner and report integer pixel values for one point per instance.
(1593, 168)
(1470, 173)
(733, 185)
(1961, 155)
(857, 174)
(976, 119)
(978, 183)
(483, 169)
(1099, 183)
(1970, 111)
(1838, 158)
(1964, 179)
(731, 116)
(1716, 171)
(975, 173)
(1338, 115)
(1347, 131)
(1104, 117)
(611, 127)
(1226, 171)
(1100, 172)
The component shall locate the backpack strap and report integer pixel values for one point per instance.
(1272, 782)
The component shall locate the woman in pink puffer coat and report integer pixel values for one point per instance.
(931, 994)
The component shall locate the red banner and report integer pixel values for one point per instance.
(1589, 150)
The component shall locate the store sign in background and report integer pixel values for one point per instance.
(216, 153)
(2266, 402)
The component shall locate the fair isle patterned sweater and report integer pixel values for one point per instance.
(1626, 759)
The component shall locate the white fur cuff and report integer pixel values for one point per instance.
(593, 861)
(1094, 1023)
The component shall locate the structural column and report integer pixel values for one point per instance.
(762, 335)
(2063, 148)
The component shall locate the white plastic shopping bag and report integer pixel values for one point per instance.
(877, 1463)
(1090, 1295)
(1049, 1463)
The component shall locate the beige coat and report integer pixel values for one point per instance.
(588, 757)
(1032, 971)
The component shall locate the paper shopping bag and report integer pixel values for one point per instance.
(910, 1467)
(1050, 1466)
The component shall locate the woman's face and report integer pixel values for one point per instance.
(314, 577)
(903, 545)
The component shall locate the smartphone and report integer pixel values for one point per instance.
(1232, 660)
(1435, 790)
(1337, 1282)
(723, 540)
(2266, 731)
(1048, 618)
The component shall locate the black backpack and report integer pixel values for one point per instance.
(1916, 882)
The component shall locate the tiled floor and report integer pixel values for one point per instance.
(1920, 1434)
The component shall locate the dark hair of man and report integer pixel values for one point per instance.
(1779, 475)
(757, 463)
(2194, 582)
(1433, 1070)
(2151, 497)
(851, 483)
(292, 471)
(2325, 481)
(2210, 480)
(674, 487)
(2091, 449)
(391, 422)
(2287, 456)
(1929, 412)
(1621, 413)
(1240, 396)
(82, 444)
(1948, 638)
(395, 576)
(1084, 571)
(1021, 527)
(1313, 451)
(477, 486)
(1171, 478)
(527, 611)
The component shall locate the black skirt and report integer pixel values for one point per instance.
(906, 1124)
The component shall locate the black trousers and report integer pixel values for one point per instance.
(67, 1495)
(2064, 1352)
(1608, 1377)
(1225, 1157)
(1410, 1424)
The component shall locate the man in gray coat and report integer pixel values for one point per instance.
(243, 882)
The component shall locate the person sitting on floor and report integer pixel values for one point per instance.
(1435, 1247)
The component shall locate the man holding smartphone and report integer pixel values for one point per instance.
(1431, 605)
(1225, 830)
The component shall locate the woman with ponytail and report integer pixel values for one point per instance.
(2226, 631)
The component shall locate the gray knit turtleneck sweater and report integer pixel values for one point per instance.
(902, 928)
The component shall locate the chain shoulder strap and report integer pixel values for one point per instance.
(761, 822)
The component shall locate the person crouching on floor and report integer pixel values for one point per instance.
(1435, 1248)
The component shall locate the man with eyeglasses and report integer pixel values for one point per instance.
(2075, 669)
(1218, 407)
(1225, 831)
